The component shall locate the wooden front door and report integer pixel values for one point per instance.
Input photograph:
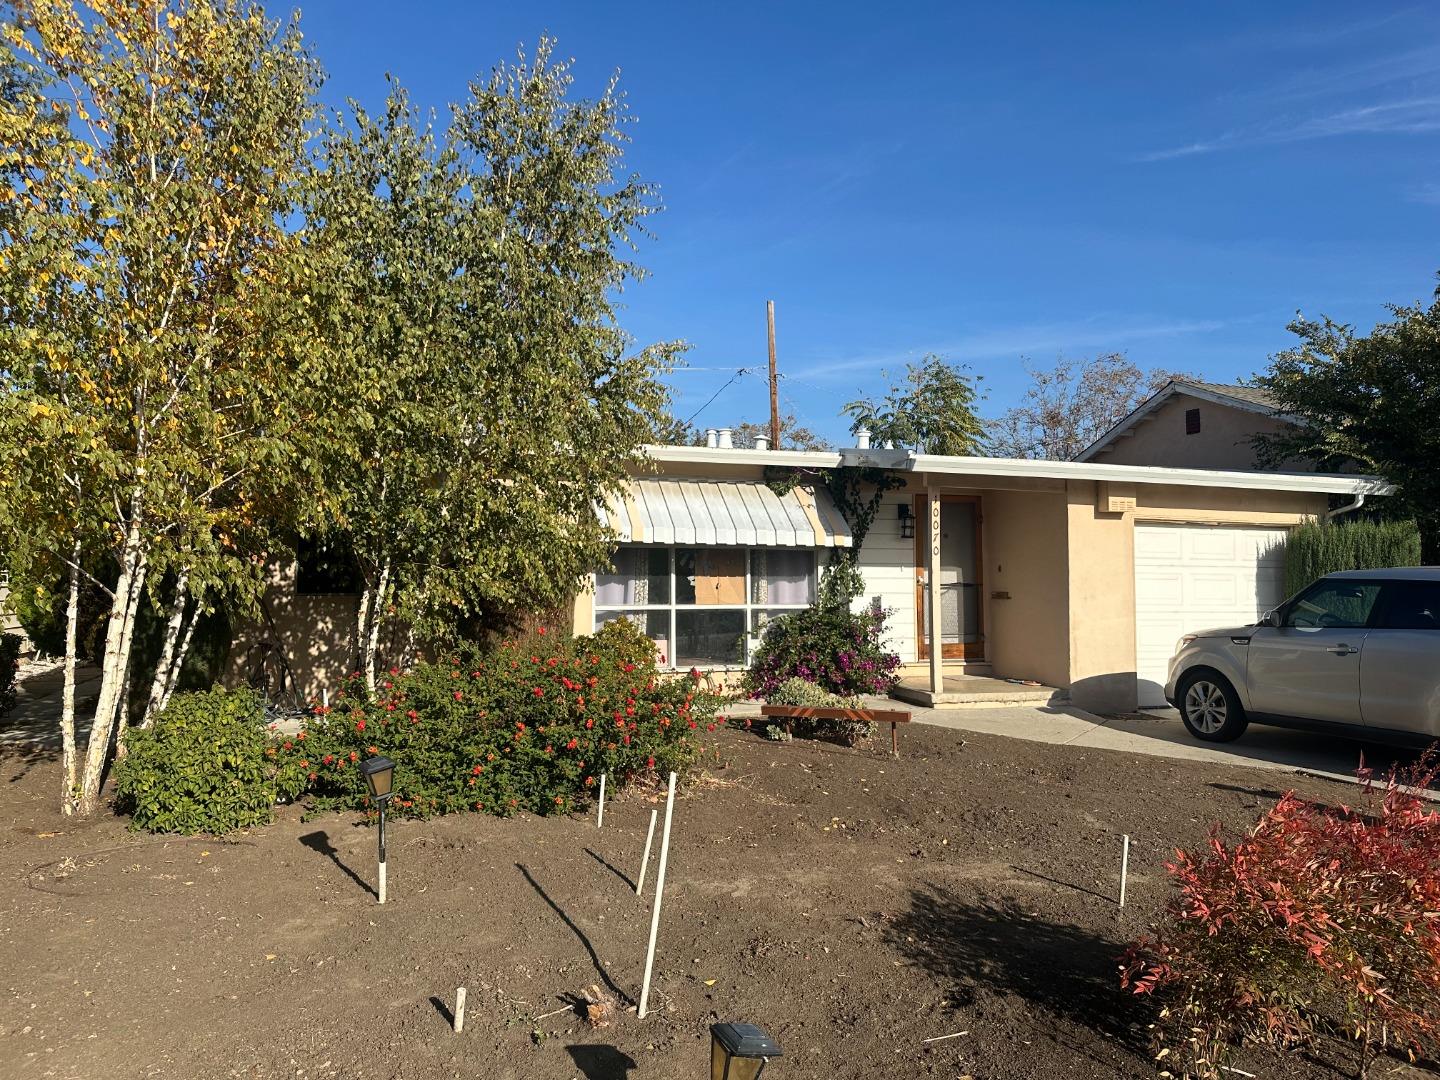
(962, 635)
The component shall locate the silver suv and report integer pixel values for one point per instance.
(1357, 653)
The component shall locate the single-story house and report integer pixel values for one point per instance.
(1077, 575)
(1195, 425)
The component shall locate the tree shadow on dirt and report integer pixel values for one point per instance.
(320, 841)
(574, 929)
(610, 866)
(600, 1062)
(1003, 950)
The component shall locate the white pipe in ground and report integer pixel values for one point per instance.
(1124, 868)
(659, 897)
(645, 859)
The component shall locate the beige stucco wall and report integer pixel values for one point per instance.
(315, 636)
(1025, 564)
(1223, 441)
(1100, 593)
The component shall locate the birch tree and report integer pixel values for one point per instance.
(470, 280)
(154, 152)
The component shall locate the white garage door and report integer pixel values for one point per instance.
(1195, 577)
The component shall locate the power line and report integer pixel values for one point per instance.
(702, 408)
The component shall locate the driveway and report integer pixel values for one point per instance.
(1159, 733)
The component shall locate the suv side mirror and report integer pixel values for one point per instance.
(1270, 618)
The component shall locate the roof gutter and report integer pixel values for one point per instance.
(1349, 507)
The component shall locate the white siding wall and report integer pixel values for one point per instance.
(888, 564)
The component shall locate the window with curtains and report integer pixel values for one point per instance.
(700, 604)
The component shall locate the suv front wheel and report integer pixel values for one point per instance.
(1210, 707)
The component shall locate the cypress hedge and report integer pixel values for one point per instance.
(1315, 550)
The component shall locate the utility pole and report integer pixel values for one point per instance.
(774, 379)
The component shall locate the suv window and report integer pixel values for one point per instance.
(1411, 605)
(1339, 604)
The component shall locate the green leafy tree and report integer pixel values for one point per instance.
(154, 150)
(471, 287)
(1367, 402)
(932, 410)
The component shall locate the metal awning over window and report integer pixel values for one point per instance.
(724, 512)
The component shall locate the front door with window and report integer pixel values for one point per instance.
(961, 607)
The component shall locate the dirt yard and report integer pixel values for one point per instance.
(851, 904)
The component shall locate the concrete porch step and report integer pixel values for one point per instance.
(974, 692)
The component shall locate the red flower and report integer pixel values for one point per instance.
(572, 744)
(304, 764)
(541, 631)
(328, 759)
(289, 745)
(538, 692)
(478, 769)
(709, 727)
(354, 755)
(359, 725)
(650, 762)
(589, 723)
(459, 696)
(413, 715)
(372, 749)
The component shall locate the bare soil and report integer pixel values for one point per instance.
(852, 904)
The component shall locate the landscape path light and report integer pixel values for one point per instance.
(740, 1051)
(380, 779)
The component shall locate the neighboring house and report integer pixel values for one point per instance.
(1194, 425)
(1079, 575)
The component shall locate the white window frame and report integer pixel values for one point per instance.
(673, 608)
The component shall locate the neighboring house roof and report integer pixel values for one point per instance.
(1249, 398)
(677, 458)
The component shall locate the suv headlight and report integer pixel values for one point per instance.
(1186, 640)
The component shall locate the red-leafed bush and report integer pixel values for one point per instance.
(1321, 920)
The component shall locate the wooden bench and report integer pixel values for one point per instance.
(790, 713)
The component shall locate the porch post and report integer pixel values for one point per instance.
(932, 591)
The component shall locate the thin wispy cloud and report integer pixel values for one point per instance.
(1428, 194)
(1409, 117)
(1017, 341)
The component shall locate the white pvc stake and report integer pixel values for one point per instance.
(381, 890)
(325, 696)
(645, 859)
(1124, 868)
(459, 1010)
(659, 896)
(600, 816)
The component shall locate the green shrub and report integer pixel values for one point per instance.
(837, 649)
(802, 694)
(9, 667)
(208, 764)
(1317, 549)
(529, 725)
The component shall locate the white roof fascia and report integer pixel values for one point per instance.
(910, 462)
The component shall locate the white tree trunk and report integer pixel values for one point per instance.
(177, 662)
(362, 626)
(67, 699)
(372, 632)
(119, 636)
(156, 701)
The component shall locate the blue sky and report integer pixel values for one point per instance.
(991, 183)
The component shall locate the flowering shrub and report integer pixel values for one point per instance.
(1321, 919)
(529, 725)
(9, 665)
(798, 692)
(837, 649)
(208, 764)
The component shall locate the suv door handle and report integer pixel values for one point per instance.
(1341, 650)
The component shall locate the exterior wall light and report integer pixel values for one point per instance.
(380, 779)
(907, 522)
(740, 1051)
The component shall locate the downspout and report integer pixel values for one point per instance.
(1349, 507)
